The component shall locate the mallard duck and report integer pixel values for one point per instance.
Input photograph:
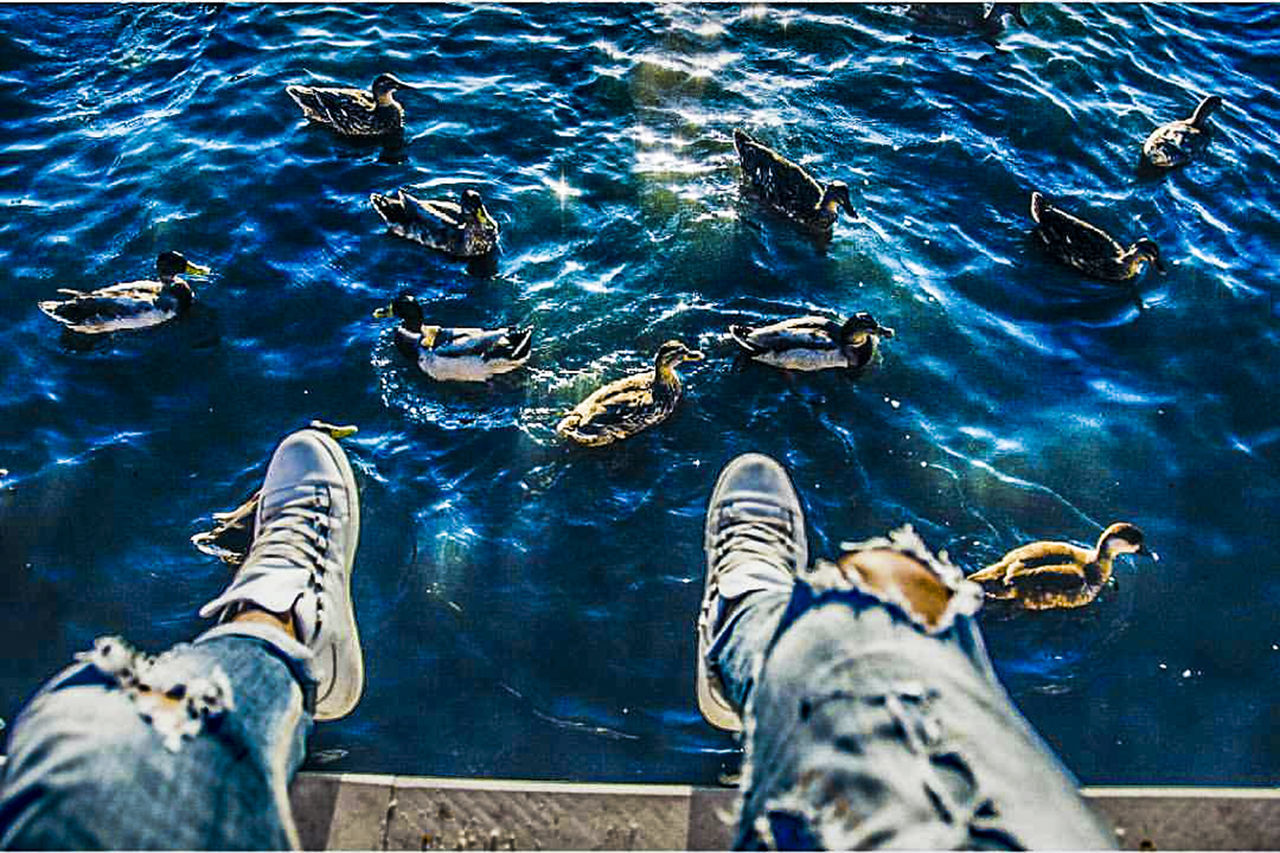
(813, 343)
(974, 17)
(463, 228)
(354, 112)
(788, 188)
(1047, 575)
(1087, 247)
(627, 406)
(1179, 142)
(232, 533)
(457, 354)
(130, 305)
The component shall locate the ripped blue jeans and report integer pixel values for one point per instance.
(193, 749)
(865, 730)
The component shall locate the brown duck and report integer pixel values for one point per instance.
(1049, 575)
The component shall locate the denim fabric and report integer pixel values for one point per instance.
(863, 730)
(93, 765)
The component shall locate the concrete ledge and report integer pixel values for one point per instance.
(369, 812)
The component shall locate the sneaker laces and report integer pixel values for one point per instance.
(751, 528)
(296, 533)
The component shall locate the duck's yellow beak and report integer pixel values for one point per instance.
(196, 269)
(383, 312)
(334, 431)
(694, 355)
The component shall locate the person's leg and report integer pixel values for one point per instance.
(195, 748)
(873, 718)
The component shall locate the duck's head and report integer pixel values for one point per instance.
(837, 195)
(1122, 538)
(385, 84)
(1145, 249)
(673, 353)
(172, 264)
(407, 309)
(858, 328)
(473, 207)
(997, 12)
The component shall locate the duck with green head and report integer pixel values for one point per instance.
(630, 405)
(812, 342)
(1048, 575)
(129, 305)
(786, 187)
(461, 229)
(354, 112)
(1087, 247)
(457, 354)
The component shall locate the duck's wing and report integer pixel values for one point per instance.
(129, 305)
(1059, 228)
(614, 411)
(349, 110)
(512, 344)
(778, 180)
(809, 333)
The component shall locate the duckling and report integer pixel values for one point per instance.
(457, 355)
(232, 533)
(973, 17)
(1087, 247)
(463, 229)
(788, 188)
(1047, 575)
(627, 406)
(354, 112)
(1179, 142)
(813, 343)
(130, 305)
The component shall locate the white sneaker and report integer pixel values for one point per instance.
(305, 535)
(754, 539)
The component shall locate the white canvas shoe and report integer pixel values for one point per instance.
(754, 539)
(305, 535)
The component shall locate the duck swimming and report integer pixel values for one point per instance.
(627, 406)
(354, 112)
(463, 228)
(232, 533)
(1179, 142)
(1087, 247)
(813, 343)
(1048, 575)
(456, 354)
(973, 17)
(130, 305)
(788, 188)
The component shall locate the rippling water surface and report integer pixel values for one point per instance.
(527, 608)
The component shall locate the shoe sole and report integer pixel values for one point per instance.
(715, 708)
(345, 693)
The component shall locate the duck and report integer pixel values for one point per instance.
(232, 533)
(974, 17)
(1050, 575)
(1179, 142)
(1087, 247)
(354, 112)
(631, 405)
(813, 343)
(129, 305)
(788, 188)
(456, 354)
(461, 229)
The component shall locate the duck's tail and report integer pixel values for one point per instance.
(1203, 110)
(742, 337)
(307, 99)
(51, 310)
(392, 209)
(1037, 206)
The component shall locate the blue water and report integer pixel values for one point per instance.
(527, 608)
